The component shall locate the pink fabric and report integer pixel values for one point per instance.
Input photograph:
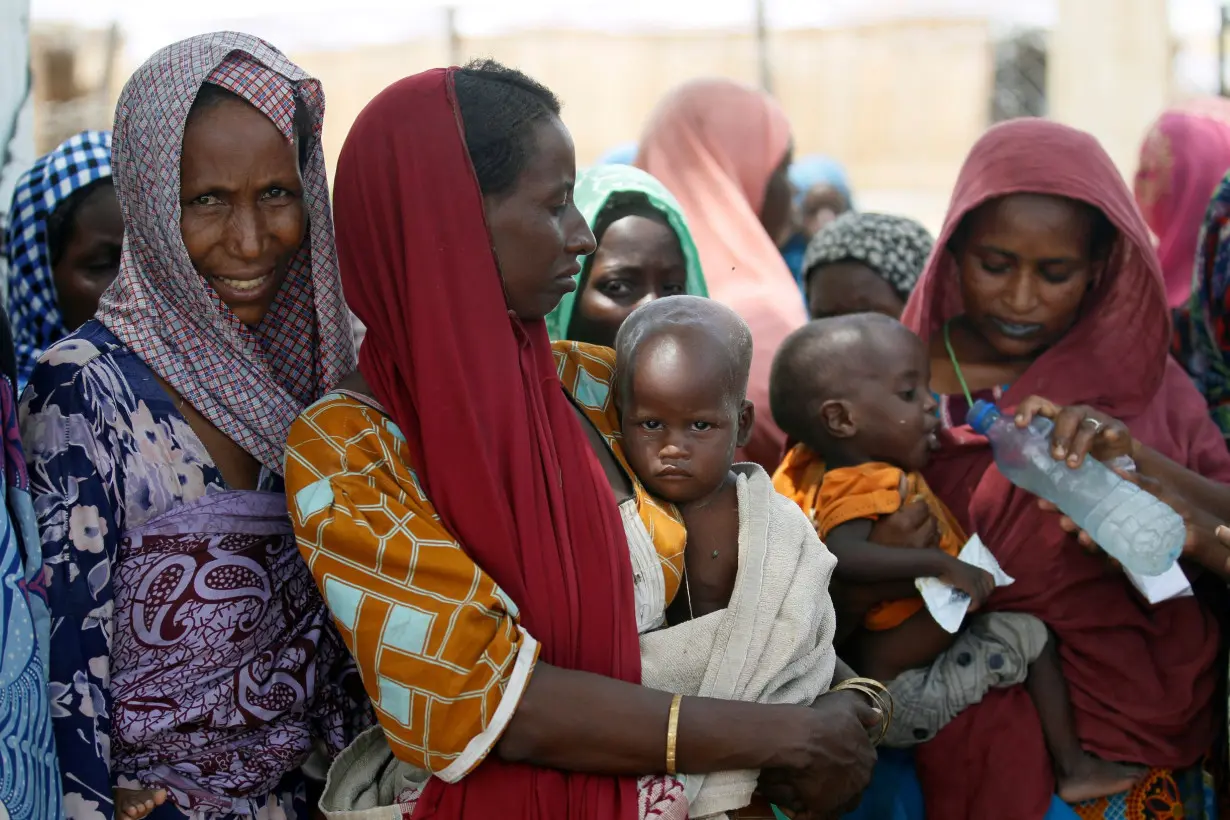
(1183, 158)
(715, 144)
(1142, 679)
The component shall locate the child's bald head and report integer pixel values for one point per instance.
(860, 379)
(694, 332)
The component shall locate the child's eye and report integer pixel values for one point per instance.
(908, 395)
(652, 425)
(701, 426)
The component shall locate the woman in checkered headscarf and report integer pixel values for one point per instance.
(194, 665)
(862, 262)
(62, 245)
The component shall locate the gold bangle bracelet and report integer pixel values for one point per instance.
(672, 734)
(879, 696)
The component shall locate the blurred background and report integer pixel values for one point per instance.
(897, 90)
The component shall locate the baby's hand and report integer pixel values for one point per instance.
(975, 582)
(137, 803)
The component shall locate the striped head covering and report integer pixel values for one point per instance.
(250, 383)
(599, 187)
(34, 307)
(895, 247)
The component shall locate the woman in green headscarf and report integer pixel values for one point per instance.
(645, 252)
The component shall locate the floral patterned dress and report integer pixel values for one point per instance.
(109, 451)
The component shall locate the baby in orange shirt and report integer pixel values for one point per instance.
(853, 391)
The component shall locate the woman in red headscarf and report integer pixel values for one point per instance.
(495, 625)
(1044, 281)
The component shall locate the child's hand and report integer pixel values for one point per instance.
(133, 804)
(975, 582)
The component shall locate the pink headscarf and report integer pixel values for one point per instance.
(715, 144)
(1182, 160)
(1142, 679)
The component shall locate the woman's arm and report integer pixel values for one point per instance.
(79, 530)
(563, 712)
(375, 547)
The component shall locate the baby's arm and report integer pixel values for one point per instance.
(860, 561)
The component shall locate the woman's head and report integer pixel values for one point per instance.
(228, 284)
(743, 131)
(865, 263)
(1044, 250)
(525, 164)
(1182, 160)
(821, 193)
(1027, 263)
(645, 252)
(63, 245)
(241, 189)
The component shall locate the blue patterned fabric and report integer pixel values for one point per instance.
(107, 450)
(29, 775)
(33, 305)
(1202, 337)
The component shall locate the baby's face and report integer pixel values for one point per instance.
(894, 411)
(681, 425)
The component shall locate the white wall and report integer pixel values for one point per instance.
(16, 115)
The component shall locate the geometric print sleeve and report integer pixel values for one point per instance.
(588, 375)
(438, 644)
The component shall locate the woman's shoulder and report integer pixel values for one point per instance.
(595, 360)
(588, 374)
(340, 428)
(93, 354)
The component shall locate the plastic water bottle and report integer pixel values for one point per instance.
(1141, 532)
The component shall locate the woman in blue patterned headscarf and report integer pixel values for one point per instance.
(62, 244)
(821, 194)
(1202, 343)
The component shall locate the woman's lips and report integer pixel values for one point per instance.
(1015, 330)
(244, 288)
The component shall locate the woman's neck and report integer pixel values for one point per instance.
(982, 366)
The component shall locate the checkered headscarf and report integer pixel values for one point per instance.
(895, 247)
(34, 307)
(250, 383)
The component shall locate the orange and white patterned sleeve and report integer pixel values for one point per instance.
(439, 646)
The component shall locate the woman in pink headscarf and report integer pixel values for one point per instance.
(1183, 158)
(724, 149)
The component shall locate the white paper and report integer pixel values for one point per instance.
(1170, 584)
(948, 605)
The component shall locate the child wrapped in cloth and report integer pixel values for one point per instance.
(753, 620)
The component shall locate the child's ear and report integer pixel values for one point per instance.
(838, 419)
(747, 418)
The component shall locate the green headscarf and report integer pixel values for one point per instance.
(595, 186)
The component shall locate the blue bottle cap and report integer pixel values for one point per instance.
(981, 416)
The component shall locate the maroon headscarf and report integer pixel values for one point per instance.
(495, 441)
(1142, 678)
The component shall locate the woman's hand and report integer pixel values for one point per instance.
(911, 526)
(1079, 431)
(831, 759)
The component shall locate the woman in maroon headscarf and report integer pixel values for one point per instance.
(1044, 281)
(496, 624)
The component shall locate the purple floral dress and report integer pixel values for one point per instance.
(190, 649)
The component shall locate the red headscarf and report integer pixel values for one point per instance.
(1142, 678)
(494, 439)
